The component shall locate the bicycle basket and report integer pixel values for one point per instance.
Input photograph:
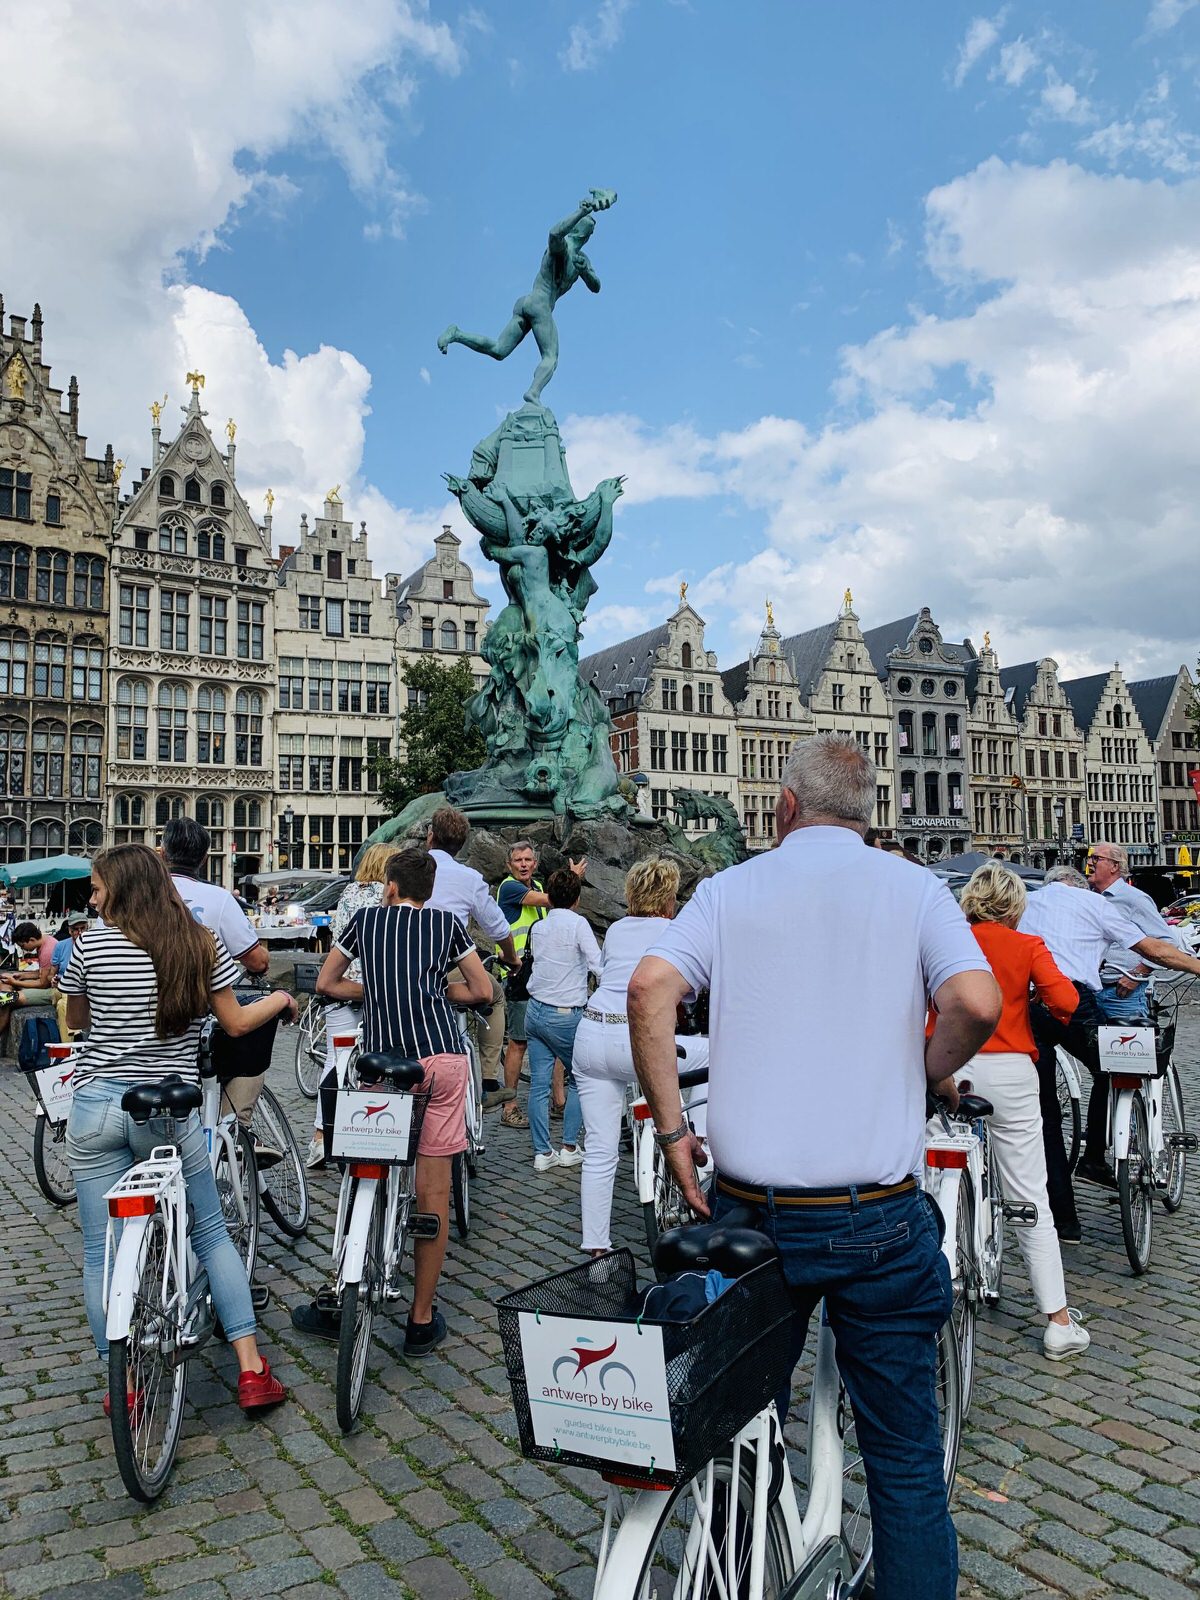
(380, 1147)
(305, 976)
(721, 1367)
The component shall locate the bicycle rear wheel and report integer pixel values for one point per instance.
(358, 1313)
(460, 1191)
(242, 1182)
(1174, 1121)
(54, 1176)
(1135, 1190)
(966, 1289)
(147, 1374)
(991, 1266)
(283, 1185)
(1068, 1110)
(310, 1049)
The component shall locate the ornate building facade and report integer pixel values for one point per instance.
(1122, 802)
(769, 716)
(994, 781)
(336, 692)
(1166, 707)
(191, 655)
(56, 513)
(437, 610)
(1052, 753)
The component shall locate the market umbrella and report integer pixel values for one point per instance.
(50, 869)
(1184, 859)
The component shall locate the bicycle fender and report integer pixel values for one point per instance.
(122, 1290)
(354, 1254)
(946, 1196)
(1122, 1116)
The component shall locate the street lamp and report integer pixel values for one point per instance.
(1152, 836)
(285, 843)
(1060, 812)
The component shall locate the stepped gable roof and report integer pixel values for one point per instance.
(734, 682)
(1084, 695)
(808, 653)
(624, 668)
(1017, 682)
(1153, 697)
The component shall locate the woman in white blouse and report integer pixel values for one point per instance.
(603, 1058)
(564, 951)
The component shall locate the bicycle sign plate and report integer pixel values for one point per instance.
(371, 1126)
(598, 1389)
(1129, 1050)
(55, 1086)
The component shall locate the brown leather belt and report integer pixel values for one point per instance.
(814, 1197)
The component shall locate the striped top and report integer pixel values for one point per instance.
(405, 953)
(122, 991)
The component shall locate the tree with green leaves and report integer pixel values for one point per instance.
(433, 734)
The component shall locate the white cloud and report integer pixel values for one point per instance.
(588, 43)
(663, 466)
(1164, 14)
(1017, 60)
(605, 625)
(193, 112)
(981, 35)
(1061, 100)
(1054, 502)
(423, 374)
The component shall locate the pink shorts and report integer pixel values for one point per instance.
(444, 1130)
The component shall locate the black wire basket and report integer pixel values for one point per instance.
(305, 975)
(722, 1366)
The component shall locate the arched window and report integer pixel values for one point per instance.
(89, 583)
(210, 811)
(167, 808)
(210, 814)
(50, 667)
(1118, 717)
(687, 694)
(166, 487)
(210, 541)
(247, 825)
(133, 698)
(86, 740)
(191, 491)
(52, 577)
(210, 727)
(216, 494)
(770, 672)
(14, 661)
(14, 572)
(13, 741)
(131, 819)
(12, 839)
(46, 767)
(47, 837)
(84, 838)
(449, 635)
(87, 669)
(247, 728)
(172, 722)
(687, 655)
(172, 538)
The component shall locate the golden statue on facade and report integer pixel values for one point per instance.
(156, 409)
(269, 497)
(16, 378)
(231, 430)
(770, 615)
(196, 379)
(683, 593)
(118, 468)
(847, 601)
(987, 640)
(334, 496)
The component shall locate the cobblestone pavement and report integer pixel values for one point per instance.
(1081, 1479)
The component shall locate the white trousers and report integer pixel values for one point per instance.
(339, 1020)
(603, 1067)
(1010, 1082)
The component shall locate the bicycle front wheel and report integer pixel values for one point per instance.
(310, 1049)
(1135, 1190)
(54, 1176)
(966, 1288)
(1068, 1110)
(283, 1184)
(147, 1374)
(237, 1189)
(1174, 1122)
(663, 1556)
(358, 1314)
(460, 1189)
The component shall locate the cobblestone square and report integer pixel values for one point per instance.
(1079, 1479)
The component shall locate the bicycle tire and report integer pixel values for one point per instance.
(145, 1438)
(659, 1559)
(1135, 1186)
(244, 1234)
(284, 1186)
(310, 1050)
(460, 1190)
(358, 1314)
(54, 1177)
(1069, 1113)
(1174, 1121)
(966, 1290)
(992, 1265)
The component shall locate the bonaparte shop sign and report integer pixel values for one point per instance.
(599, 1389)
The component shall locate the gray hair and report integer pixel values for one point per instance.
(521, 844)
(1120, 854)
(831, 776)
(1068, 875)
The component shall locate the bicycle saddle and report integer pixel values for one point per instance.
(732, 1251)
(172, 1097)
(402, 1072)
(691, 1076)
(971, 1106)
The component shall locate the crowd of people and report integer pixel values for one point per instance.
(844, 984)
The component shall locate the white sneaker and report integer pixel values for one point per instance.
(315, 1156)
(1062, 1340)
(544, 1163)
(570, 1158)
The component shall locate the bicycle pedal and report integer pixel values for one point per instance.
(260, 1296)
(424, 1225)
(393, 1291)
(1021, 1213)
(1182, 1141)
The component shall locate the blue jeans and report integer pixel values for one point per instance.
(550, 1032)
(886, 1288)
(1132, 1007)
(102, 1144)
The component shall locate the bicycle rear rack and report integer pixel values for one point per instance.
(150, 1178)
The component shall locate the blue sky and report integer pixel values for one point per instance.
(901, 297)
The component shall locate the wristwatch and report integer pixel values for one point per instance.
(662, 1140)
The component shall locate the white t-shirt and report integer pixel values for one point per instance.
(564, 952)
(819, 956)
(462, 890)
(217, 909)
(625, 943)
(1077, 927)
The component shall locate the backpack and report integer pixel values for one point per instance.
(36, 1034)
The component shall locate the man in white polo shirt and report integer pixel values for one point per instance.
(821, 957)
(464, 891)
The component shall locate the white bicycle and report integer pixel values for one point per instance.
(157, 1304)
(1068, 1075)
(736, 1530)
(52, 1086)
(465, 1164)
(660, 1197)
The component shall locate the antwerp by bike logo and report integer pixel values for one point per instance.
(593, 1377)
(374, 1118)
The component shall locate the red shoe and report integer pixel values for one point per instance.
(258, 1389)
